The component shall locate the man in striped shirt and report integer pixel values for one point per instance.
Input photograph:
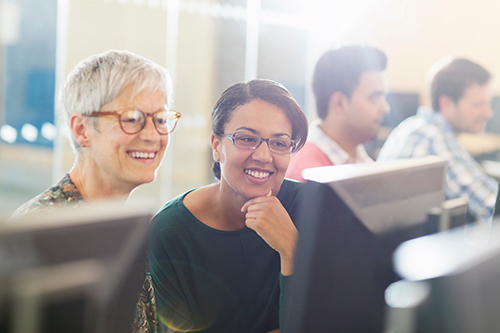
(461, 93)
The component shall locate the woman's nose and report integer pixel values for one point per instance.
(263, 153)
(149, 131)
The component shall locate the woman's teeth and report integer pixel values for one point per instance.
(138, 154)
(257, 174)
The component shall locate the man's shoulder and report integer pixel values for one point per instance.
(426, 124)
(416, 137)
(309, 156)
(310, 150)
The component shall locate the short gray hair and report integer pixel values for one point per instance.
(99, 79)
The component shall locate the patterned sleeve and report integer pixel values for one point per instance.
(145, 320)
(404, 146)
(466, 178)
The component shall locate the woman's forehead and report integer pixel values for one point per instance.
(261, 116)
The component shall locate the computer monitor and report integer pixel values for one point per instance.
(493, 125)
(351, 220)
(451, 282)
(403, 105)
(450, 214)
(496, 210)
(73, 270)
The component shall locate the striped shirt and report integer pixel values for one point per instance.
(320, 150)
(333, 151)
(429, 133)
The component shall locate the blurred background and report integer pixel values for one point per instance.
(208, 45)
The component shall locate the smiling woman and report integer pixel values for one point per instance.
(220, 255)
(106, 102)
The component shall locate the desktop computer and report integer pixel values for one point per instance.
(73, 270)
(352, 219)
(451, 282)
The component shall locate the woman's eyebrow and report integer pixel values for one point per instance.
(257, 133)
(246, 129)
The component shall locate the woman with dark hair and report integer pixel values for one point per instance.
(220, 255)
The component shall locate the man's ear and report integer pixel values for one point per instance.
(338, 102)
(216, 146)
(79, 127)
(446, 106)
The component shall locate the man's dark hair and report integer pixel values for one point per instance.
(452, 76)
(341, 69)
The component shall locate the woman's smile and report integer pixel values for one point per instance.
(258, 174)
(142, 155)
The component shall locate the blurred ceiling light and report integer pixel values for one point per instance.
(329, 20)
(153, 4)
(139, 3)
(49, 131)
(8, 134)
(215, 9)
(29, 132)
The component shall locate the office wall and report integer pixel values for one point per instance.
(97, 26)
(415, 34)
(211, 54)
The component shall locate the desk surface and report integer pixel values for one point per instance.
(476, 144)
(481, 143)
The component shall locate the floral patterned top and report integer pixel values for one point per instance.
(65, 193)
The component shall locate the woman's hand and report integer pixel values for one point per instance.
(269, 219)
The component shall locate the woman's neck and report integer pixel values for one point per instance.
(92, 186)
(217, 208)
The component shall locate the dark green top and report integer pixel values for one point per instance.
(211, 280)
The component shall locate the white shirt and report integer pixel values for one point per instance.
(332, 150)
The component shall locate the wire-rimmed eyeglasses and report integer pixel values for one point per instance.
(132, 121)
(281, 145)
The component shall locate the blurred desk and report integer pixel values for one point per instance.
(492, 168)
(482, 143)
(485, 147)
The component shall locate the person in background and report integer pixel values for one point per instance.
(116, 107)
(460, 93)
(221, 255)
(350, 94)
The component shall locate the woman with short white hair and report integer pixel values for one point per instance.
(106, 102)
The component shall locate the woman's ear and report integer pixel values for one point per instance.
(79, 128)
(216, 145)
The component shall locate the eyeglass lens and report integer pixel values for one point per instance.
(250, 141)
(133, 121)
